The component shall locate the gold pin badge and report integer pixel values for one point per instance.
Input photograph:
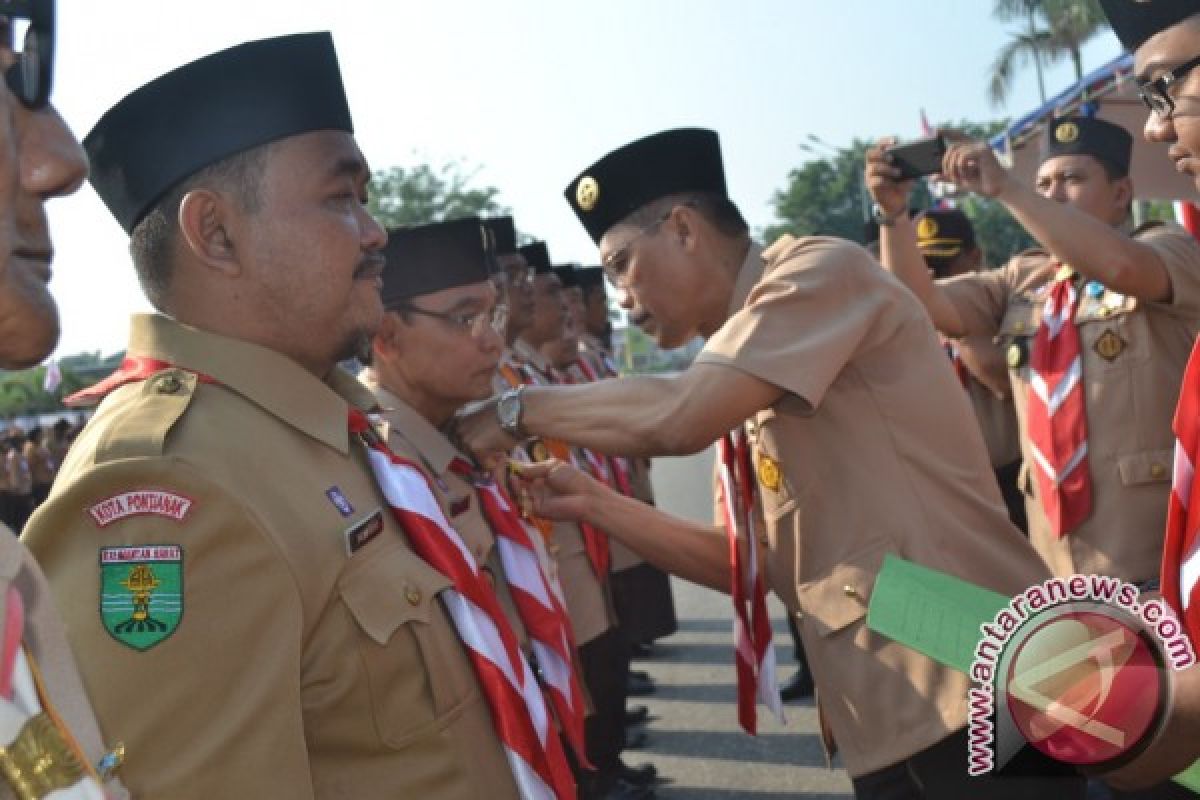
(1066, 132)
(768, 472)
(1109, 346)
(927, 228)
(587, 193)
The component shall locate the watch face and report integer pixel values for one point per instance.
(508, 410)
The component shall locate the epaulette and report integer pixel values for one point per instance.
(140, 426)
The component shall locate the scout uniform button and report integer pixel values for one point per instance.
(169, 384)
(1017, 354)
(1109, 346)
(412, 595)
(849, 590)
(1158, 471)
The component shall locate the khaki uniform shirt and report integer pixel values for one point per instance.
(1133, 355)
(45, 641)
(995, 412)
(411, 436)
(875, 451)
(303, 651)
(588, 604)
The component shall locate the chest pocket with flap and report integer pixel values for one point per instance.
(840, 598)
(417, 672)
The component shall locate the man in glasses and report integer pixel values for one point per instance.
(252, 611)
(1098, 463)
(851, 437)
(44, 710)
(1164, 36)
(436, 351)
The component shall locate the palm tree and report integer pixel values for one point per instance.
(1054, 29)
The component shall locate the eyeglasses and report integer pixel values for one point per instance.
(477, 324)
(32, 73)
(1156, 93)
(616, 264)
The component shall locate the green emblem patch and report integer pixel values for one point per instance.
(141, 593)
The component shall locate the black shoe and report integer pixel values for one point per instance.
(640, 684)
(636, 715)
(799, 686)
(607, 786)
(641, 775)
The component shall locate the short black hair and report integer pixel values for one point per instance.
(152, 242)
(717, 209)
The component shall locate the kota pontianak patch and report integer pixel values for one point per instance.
(138, 502)
(141, 593)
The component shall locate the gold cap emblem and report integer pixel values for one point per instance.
(587, 193)
(927, 228)
(1066, 132)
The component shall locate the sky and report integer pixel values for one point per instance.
(527, 93)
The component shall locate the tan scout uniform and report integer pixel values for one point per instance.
(1133, 358)
(311, 657)
(45, 641)
(876, 452)
(412, 436)
(588, 604)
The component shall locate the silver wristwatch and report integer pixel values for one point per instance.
(508, 413)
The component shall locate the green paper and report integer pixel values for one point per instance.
(939, 616)
(936, 614)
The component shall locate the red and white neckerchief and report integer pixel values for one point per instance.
(133, 368)
(620, 466)
(754, 651)
(960, 369)
(1181, 549)
(543, 614)
(519, 712)
(595, 541)
(1055, 416)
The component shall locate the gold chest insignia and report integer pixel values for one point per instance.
(769, 475)
(1109, 346)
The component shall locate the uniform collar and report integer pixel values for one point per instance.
(748, 277)
(269, 379)
(530, 355)
(432, 445)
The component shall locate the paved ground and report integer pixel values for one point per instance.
(695, 739)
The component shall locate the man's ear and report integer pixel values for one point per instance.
(203, 218)
(386, 342)
(1124, 194)
(684, 227)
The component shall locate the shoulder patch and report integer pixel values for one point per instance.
(141, 593)
(138, 502)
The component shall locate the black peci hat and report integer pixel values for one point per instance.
(504, 234)
(588, 278)
(1088, 136)
(671, 162)
(536, 256)
(213, 108)
(429, 258)
(1135, 21)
